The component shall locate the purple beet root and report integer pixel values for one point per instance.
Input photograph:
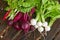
(17, 17)
(25, 16)
(26, 27)
(10, 22)
(32, 28)
(17, 27)
(32, 10)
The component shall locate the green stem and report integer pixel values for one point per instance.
(51, 22)
(37, 16)
(42, 13)
(42, 17)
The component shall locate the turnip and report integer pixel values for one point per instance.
(39, 23)
(40, 29)
(33, 22)
(47, 28)
(36, 26)
(45, 24)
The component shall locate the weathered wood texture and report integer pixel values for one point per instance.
(12, 33)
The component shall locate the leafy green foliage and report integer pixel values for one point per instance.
(44, 8)
(53, 11)
(22, 5)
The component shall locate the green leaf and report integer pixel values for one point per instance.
(53, 14)
(44, 1)
(23, 9)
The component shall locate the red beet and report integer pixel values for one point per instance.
(10, 22)
(17, 27)
(17, 17)
(32, 28)
(25, 16)
(26, 27)
(6, 14)
(32, 10)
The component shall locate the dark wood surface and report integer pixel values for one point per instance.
(13, 34)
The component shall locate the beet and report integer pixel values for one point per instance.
(17, 17)
(32, 10)
(25, 26)
(17, 26)
(25, 16)
(10, 22)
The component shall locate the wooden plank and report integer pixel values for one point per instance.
(54, 30)
(57, 37)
